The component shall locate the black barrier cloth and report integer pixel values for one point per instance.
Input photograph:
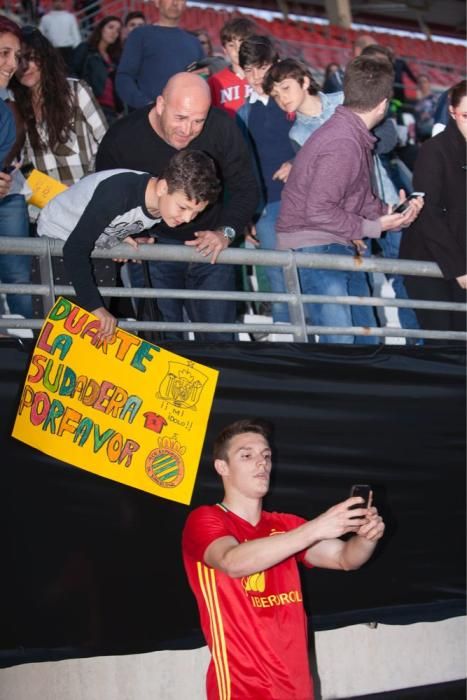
(92, 567)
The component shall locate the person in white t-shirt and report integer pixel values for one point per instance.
(60, 27)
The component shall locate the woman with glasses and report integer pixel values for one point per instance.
(14, 269)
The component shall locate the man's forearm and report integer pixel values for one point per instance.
(356, 552)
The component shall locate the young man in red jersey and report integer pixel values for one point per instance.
(241, 564)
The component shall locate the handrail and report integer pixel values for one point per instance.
(289, 260)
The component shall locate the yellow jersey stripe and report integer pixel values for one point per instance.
(221, 633)
(202, 571)
(210, 582)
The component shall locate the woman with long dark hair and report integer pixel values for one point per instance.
(64, 123)
(64, 126)
(105, 49)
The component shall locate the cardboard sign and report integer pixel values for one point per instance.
(124, 409)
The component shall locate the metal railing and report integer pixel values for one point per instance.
(290, 261)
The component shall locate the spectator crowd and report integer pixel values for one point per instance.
(290, 164)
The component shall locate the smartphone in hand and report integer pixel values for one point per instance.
(402, 207)
(362, 490)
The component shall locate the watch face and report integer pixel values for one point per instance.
(229, 232)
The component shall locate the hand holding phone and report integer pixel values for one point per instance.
(364, 491)
(400, 209)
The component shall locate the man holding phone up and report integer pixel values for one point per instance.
(241, 564)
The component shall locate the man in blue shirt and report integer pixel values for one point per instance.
(153, 53)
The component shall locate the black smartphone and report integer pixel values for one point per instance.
(402, 207)
(362, 490)
(8, 169)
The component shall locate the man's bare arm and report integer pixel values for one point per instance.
(350, 554)
(242, 559)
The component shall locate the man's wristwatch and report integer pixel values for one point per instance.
(228, 232)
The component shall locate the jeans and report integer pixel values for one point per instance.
(337, 283)
(15, 269)
(266, 232)
(389, 244)
(199, 276)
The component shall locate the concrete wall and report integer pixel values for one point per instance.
(351, 661)
(357, 660)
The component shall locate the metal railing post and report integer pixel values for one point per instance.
(47, 277)
(292, 285)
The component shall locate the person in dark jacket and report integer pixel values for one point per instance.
(438, 235)
(100, 65)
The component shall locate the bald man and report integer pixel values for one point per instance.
(145, 140)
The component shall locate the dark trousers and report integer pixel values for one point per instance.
(437, 290)
(200, 276)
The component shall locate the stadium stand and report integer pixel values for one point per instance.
(317, 44)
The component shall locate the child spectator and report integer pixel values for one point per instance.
(133, 20)
(229, 88)
(267, 130)
(293, 87)
(109, 207)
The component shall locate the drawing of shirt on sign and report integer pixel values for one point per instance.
(152, 421)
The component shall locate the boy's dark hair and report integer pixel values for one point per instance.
(457, 92)
(136, 14)
(378, 51)
(257, 50)
(194, 174)
(237, 28)
(367, 81)
(289, 68)
(246, 425)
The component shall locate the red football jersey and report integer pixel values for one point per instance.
(228, 91)
(255, 626)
